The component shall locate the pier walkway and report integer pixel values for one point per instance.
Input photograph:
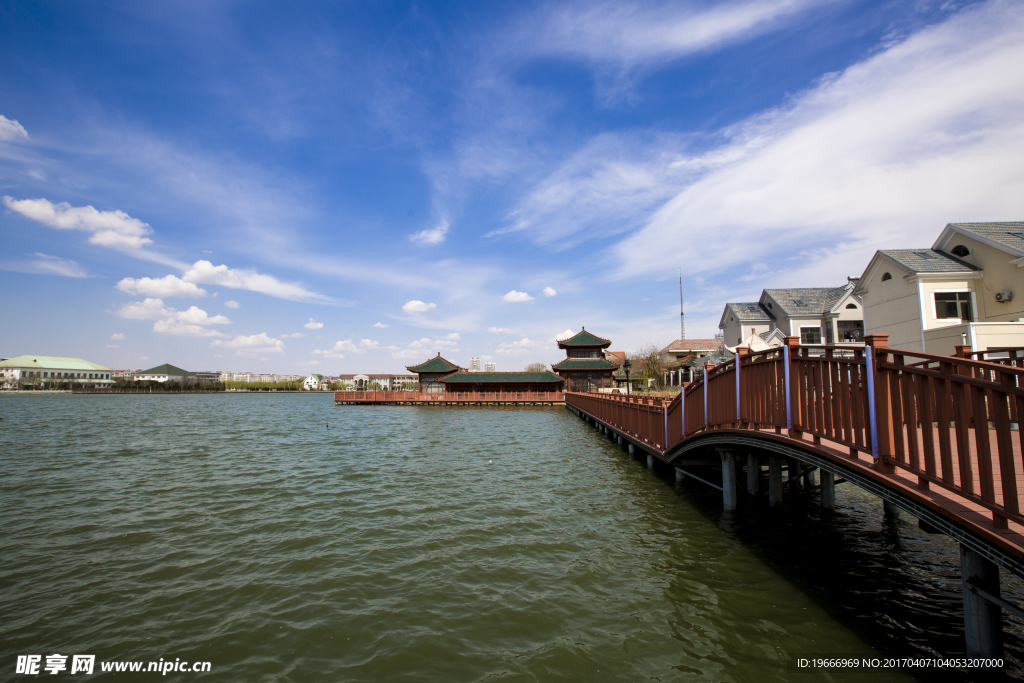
(936, 436)
(449, 398)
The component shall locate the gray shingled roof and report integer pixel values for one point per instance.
(928, 261)
(815, 300)
(742, 312)
(1004, 233)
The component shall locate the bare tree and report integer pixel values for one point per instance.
(719, 348)
(649, 363)
(536, 367)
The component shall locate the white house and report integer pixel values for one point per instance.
(314, 383)
(967, 288)
(163, 373)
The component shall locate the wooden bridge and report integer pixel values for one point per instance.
(449, 398)
(936, 436)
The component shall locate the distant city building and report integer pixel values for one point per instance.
(490, 366)
(474, 365)
(163, 373)
(53, 372)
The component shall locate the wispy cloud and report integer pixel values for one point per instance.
(44, 264)
(313, 325)
(167, 286)
(500, 330)
(550, 291)
(433, 235)
(381, 325)
(417, 306)
(422, 348)
(232, 304)
(10, 130)
(193, 322)
(517, 297)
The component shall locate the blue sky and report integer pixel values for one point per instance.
(343, 187)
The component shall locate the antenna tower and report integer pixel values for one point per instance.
(682, 319)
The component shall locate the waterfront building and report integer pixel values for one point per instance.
(818, 315)
(505, 382)
(430, 373)
(584, 367)
(678, 371)
(164, 373)
(968, 288)
(314, 382)
(53, 372)
(474, 364)
(490, 366)
(377, 382)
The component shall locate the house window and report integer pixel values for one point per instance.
(953, 305)
(851, 330)
(810, 335)
(960, 250)
(852, 307)
(887, 276)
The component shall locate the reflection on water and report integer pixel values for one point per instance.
(430, 544)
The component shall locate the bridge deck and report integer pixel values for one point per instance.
(449, 398)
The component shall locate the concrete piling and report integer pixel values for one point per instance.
(729, 493)
(828, 490)
(983, 625)
(753, 474)
(774, 480)
(680, 475)
(889, 510)
(650, 461)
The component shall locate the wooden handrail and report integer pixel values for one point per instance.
(953, 422)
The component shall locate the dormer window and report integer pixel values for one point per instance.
(960, 250)
(852, 307)
(887, 276)
(770, 305)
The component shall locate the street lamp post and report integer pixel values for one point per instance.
(627, 366)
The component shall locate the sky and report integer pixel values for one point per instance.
(355, 187)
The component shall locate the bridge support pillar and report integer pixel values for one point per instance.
(793, 468)
(828, 490)
(680, 475)
(753, 474)
(729, 494)
(774, 480)
(650, 461)
(983, 624)
(632, 449)
(809, 477)
(618, 440)
(889, 510)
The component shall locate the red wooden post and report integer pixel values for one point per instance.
(962, 350)
(795, 391)
(878, 344)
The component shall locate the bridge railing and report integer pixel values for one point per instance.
(953, 422)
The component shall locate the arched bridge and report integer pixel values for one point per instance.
(937, 436)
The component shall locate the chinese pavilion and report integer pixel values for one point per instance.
(430, 373)
(584, 367)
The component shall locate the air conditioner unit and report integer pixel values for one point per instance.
(1004, 297)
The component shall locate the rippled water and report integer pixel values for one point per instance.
(427, 544)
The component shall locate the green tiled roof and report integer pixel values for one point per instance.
(497, 377)
(584, 364)
(52, 363)
(584, 338)
(167, 369)
(436, 364)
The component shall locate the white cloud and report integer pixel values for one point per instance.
(180, 328)
(549, 291)
(565, 335)
(368, 344)
(425, 347)
(117, 336)
(293, 335)
(517, 297)
(313, 325)
(43, 264)
(188, 323)
(339, 349)
(923, 133)
(167, 286)
(524, 345)
(232, 304)
(381, 325)
(10, 129)
(109, 228)
(453, 336)
(500, 330)
(111, 346)
(433, 235)
(252, 344)
(416, 306)
(204, 272)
